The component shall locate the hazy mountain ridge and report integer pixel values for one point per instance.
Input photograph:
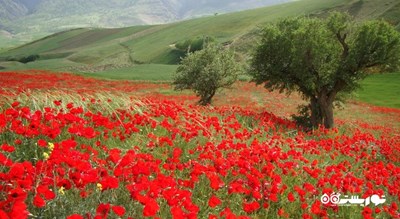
(55, 15)
(10, 10)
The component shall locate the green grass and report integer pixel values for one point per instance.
(146, 72)
(50, 64)
(45, 44)
(381, 90)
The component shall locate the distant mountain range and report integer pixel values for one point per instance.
(49, 16)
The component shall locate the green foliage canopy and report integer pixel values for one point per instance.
(321, 57)
(206, 71)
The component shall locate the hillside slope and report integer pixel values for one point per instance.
(26, 17)
(100, 50)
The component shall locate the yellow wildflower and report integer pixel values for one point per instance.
(51, 146)
(99, 186)
(46, 155)
(61, 190)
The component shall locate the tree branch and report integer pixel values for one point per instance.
(342, 41)
(339, 85)
(373, 64)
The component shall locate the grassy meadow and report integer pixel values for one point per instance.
(381, 90)
(145, 72)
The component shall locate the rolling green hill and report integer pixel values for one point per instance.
(24, 18)
(106, 51)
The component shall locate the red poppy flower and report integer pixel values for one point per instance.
(151, 208)
(15, 104)
(103, 210)
(215, 181)
(7, 148)
(64, 183)
(177, 213)
(291, 197)
(214, 201)
(211, 216)
(109, 182)
(3, 215)
(316, 207)
(17, 194)
(46, 192)
(367, 213)
(38, 201)
(19, 210)
(118, 210)
(227, 212)
(250, 207)
(75, 216)
(4, 161)
(42, 143)
(57, 102)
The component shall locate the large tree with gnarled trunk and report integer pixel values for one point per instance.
(322, 57)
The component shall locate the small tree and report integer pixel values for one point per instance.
(206, 71)
(194, 44)
(320, 58)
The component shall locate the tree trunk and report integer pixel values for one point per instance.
(328, 117)
(316, 115)
(206, 99)
(326, 106)
(325, 102)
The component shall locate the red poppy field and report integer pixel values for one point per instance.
(76, 147)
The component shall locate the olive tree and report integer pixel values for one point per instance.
(322, 57)
(206, 71)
